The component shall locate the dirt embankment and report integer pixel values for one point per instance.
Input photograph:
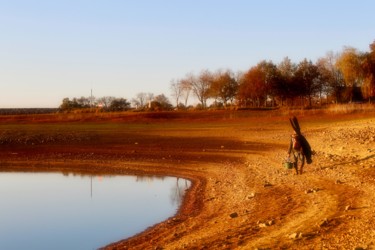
(242, 197)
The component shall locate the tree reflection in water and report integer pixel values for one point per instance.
(177, 191)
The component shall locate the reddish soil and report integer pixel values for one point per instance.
(242, 197)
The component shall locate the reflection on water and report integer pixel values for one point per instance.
(66, 211)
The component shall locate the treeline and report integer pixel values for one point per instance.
(142, 101)
(344, 77)
(27, 111)
(109, 104)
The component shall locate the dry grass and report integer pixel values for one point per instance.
(334, 109)
(350, 108)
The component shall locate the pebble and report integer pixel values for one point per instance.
(295, 235)
(262, 225)
(267, 184)
(233, 215)
(251, 195)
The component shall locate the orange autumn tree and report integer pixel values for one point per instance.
(224, 87)
(368, 87)
(252, 89)
(350, 65)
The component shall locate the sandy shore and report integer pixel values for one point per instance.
(242, 197)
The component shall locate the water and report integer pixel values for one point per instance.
(65, 211)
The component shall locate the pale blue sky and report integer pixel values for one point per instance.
(52, 49)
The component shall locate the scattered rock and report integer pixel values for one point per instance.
(251, 195)
(265, 224)
(348, 207)
(270, 222)
(267, 184)
(233, 215)
(339, 182)
(294, 236)
(311, 190)
(323, 223)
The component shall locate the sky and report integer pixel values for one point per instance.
(50, 50)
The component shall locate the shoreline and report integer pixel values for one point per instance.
(241, 197)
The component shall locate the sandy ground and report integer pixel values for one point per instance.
(242, 197)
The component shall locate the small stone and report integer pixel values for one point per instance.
(233, 215)
(308, 191)
(323, 223)
(293, 236)
(270, 222)
(251, 195)
(348, 207)
(267, 184)
(296, 235)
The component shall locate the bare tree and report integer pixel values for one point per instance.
(105, 101)
(177, 90)
(186, 90)
(149, 98)
(140, 100)
(201, 85)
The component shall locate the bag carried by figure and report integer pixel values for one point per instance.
(296, 143)
(300, 141)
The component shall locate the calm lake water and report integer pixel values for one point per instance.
(60, 211)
